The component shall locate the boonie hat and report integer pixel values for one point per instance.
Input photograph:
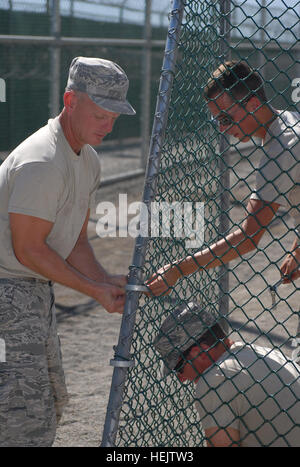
(104, 81)
(182, 328)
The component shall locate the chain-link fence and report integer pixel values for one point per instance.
(194, 158)
(38, 40)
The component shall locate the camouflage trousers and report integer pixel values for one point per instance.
(32, 384)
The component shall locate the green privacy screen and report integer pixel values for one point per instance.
(26, 67)
(195, 162)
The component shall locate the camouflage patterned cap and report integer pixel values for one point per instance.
(104, 82)
(182, 328)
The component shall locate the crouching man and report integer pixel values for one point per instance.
(246, 395)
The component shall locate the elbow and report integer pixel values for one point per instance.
(22, 256)
(26, 255)
(19, 251)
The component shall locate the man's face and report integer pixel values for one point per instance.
(193, 365)
(91, 123)
(234, 118)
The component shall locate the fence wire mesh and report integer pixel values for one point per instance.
(195, 155)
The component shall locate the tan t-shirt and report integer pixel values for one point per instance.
(43, 177)
(254, 390)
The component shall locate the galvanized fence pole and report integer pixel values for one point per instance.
(297, 67)
(54, 104)
(123, 359)
(263, 38)
(224, 166)
(146, 86)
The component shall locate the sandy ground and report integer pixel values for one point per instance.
(88, 333)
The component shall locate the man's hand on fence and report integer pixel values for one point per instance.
(162, 281)
(111, 297)
(290, 267)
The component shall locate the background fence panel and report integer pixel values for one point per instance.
(160, 412)
(27, 68)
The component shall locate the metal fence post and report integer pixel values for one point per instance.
(146, 87)
(263, 16)
(224, 164)
(297, 68)
(54, 96)
(123, 359)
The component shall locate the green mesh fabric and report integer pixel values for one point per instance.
(194, 167)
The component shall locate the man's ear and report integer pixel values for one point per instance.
(70, 100)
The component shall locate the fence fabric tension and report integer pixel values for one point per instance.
(202, 161)
(123, 358)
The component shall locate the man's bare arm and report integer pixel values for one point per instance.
(234, 245)
(241, 241)
(29, 235)
(222, 438)
(83, 259)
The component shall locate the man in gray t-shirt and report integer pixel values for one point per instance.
(237, 101)
(246, 395)
(47, 188)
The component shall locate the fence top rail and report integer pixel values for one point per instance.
(62, 41)
(86, 41)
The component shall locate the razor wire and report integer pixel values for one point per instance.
(192, 168)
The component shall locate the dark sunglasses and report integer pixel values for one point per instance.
(226, 119)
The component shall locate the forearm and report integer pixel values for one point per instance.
(82, 258)
(235, 245)
(296, 248)
(49, 264)
(225, 250)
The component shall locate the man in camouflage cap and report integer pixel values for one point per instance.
(246, 395)
(180, 331)
(48, 186)
(103, 81)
